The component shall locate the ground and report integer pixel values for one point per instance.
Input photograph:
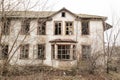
(48, 73)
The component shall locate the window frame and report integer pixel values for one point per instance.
(41, 58)
(24, 25)
(42, 24)
(4, 55)
(63, 54)
(23, 55)
(6, 25)
(69, 26)
(55, 27)
(63, 14)
(84, 55)
(72, 52)
(88, 27)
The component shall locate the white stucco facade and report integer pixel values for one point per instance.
(94, 39)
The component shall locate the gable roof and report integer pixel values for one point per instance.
(46, 14)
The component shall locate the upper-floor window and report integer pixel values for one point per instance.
(41, 51)
(58, 27)
(63, 14)
(24, 51)
(41, 30)
(4, 52)
(25, 27)
(86, 51)
(69, 28)
(85, 28)
(6, 27)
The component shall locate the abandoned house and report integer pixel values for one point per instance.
(54, 38)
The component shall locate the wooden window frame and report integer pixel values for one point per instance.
(24, 55)
(6, 27)
(69, 26)
(66, 55)
(84, 55)
(43, 53)
(88, 29)
(55, 27)
(41, 26)
(4, 52)
(25, 23)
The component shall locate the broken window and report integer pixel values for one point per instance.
(24, 51)
(4, 52)
(41, 51)
(63, 52)
(6, 27)
(63, 14)
(25, 27)
(86, 51)
(41, 27)
(69, 28)
(58, 26)
(85, 27)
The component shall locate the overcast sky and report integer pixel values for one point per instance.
(97, 7)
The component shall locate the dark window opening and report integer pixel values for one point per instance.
(41, 27)
(86, 52)
(41, 51)
(4, 52)
(6, 27)
(69, 28)
(85, 28)
(63, 14)
(24, 51)
(58, 26)
(25, 27)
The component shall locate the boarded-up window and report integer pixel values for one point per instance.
(24, 51)
(41, 51)
(4, 52)
(85, 27)
(69, 28)
(6, 27)
(58, 26)
(25, 27)
(86, 51)
(41, 30)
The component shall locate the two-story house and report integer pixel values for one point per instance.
(59, 39)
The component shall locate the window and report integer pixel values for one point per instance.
(85, 27)
(86, 51)
(69, 28)
(41, 51)
(24, 51)
(25, 27)
(63, 14)
(58, 26)
(6, 27)
(41, 27)
(53, 51)
(4, 52)
(63, 52)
